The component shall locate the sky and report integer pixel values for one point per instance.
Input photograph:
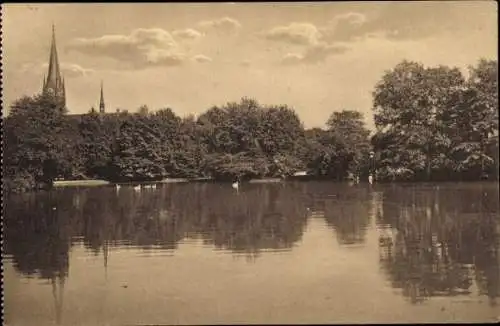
(315, 57)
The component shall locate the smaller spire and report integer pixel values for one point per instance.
(102, 107)
(63, 90)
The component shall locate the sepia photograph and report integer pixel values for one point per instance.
(250, 163)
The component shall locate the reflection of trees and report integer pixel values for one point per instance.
(438, 237)
(38, 237)
(258, 217)
(348, 213)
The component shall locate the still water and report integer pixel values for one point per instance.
(314, 252)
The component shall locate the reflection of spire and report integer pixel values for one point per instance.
(105, 253)
(58, 296)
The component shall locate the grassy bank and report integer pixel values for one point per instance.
(80, 183)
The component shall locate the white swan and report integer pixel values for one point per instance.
(137, 188)
(236, 185)
(370, 179)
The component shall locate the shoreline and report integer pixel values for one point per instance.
(100, 182)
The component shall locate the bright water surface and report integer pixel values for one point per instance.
(315, 252)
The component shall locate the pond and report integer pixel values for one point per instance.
(296, 252)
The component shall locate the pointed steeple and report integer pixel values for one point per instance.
(102, 107)
(54, 83)
(54, 73)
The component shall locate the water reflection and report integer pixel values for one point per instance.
(42, 227)
(432, 241)
(347, 211)
(438, 242)
(38, 236)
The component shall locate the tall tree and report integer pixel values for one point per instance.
(97, 134)
(471, 122)
(348, 129)
(408, 102)
(38, 142)
(136, 154)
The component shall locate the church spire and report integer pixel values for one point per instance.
(102, 107)
(54, 73)
(54, 84)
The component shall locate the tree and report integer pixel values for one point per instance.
(259, 140)
(322, 154)
(348, 129)
(97, 135)
(409, 102)
(189, 154)
(472, 122)
(38, 144)
(136, 153)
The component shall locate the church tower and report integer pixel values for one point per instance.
(54, 83)
(102, 107)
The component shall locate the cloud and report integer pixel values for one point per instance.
(292, 58)
(187, 34)
(345, 27)
(72, 70)
(200, 58)
(391, 21)
(161, 57)
(140, 49)
(311, 38)
(225, 24)
(315, 54)
(351, 18)
(395, 21)
(294, 33)
(245, 63)
(68, 70)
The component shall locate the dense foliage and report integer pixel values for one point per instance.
(434, 124)
(431, 123)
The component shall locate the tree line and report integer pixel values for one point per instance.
(432, 123)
